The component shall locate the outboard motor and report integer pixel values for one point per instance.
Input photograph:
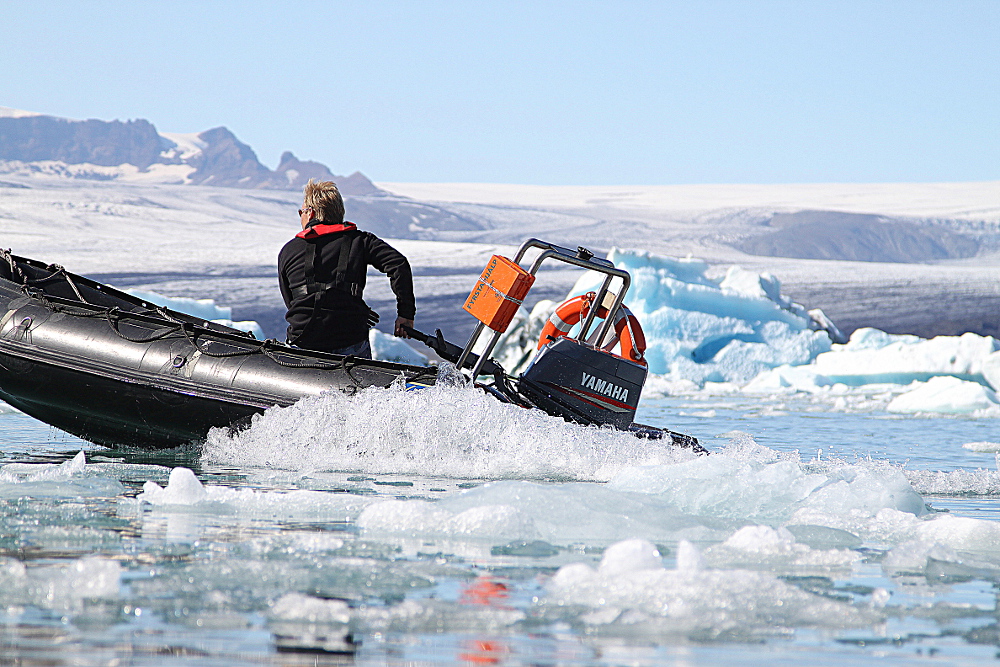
(588, 385)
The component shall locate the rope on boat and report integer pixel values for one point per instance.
(59, 270)
(15, 268)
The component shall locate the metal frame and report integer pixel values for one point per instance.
(580, 257)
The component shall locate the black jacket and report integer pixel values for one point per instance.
(323, 289)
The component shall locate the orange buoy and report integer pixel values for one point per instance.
(628, 332)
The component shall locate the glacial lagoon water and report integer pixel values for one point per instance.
(440, 527)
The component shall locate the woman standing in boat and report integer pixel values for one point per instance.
(322, 273)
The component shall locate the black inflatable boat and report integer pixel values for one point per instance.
(116, 370)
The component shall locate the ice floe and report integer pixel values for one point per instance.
(632, 591)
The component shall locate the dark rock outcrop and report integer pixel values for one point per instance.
(38, 138)
(298, 172)
(228, 162)
(222, 161)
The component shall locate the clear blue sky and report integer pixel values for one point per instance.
(575, 92)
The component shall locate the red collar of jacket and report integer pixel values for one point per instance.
(319, 229)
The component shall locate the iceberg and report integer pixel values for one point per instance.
(697, 327)
(945, 394)
(386, 347)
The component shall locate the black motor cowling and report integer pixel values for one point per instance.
(593, 386)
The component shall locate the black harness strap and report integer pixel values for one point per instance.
(340, 282)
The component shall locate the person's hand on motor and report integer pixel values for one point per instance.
(400, 332)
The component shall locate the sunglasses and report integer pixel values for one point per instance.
(303, 210)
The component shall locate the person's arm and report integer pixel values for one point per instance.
(286, 290)
(391, 262)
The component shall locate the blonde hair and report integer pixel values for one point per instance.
(324, 198)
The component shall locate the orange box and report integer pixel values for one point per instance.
(498, 293)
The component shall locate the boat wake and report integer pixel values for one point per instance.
(441, 431)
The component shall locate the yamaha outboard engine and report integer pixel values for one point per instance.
(588, 385)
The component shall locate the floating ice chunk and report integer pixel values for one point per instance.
(961, 533)
(763, 547)
(880, 597)
(759, 488)
(691, 601)
(890, 526)
(48, 472)
(419, 518)
(876, 357)
(688, 557)
(437, 616)
(629, 556)
(867, 488)
(299, 607)
(983, 446)
(824, 537)
(824, 323)
(62, 586)
(90, 577)
(570, 576)
(183, 488)
(912, 556)
(389, 348)
(935, 559)
(64, 480)
(761, 539)
(790, 378)
(867, 338)
(945, 394)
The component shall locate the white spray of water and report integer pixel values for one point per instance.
(443, 431)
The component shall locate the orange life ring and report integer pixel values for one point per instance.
(571, 311)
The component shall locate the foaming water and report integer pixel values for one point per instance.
(443, 431)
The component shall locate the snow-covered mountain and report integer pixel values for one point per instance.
(135, 151)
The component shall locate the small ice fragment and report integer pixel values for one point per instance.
(688, 557)
(630, 556)
(984, 447)
(183, 488)
(572, 575)
(912, 556)
(299, 607)
(75, 465)
(761, 539)
(824, 537)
